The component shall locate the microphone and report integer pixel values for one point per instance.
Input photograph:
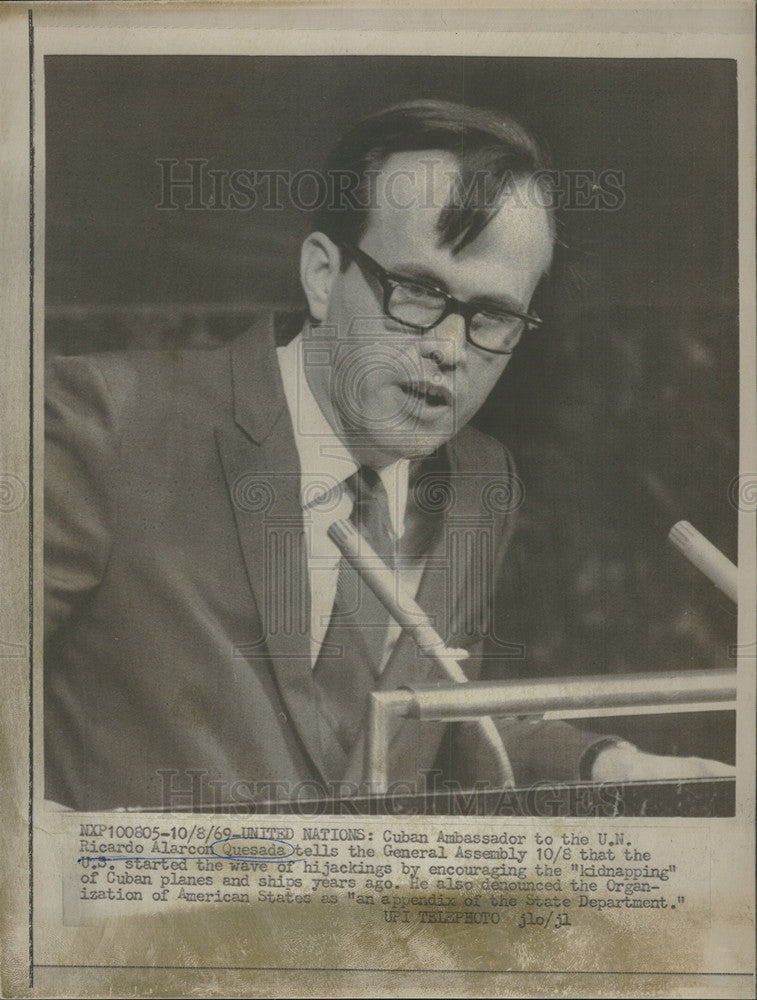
(388, 588)
(708, 559)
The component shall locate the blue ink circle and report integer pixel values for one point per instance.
(254, 859)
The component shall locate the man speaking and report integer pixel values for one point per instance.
(203, 634)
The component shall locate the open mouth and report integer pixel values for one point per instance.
(431, 395)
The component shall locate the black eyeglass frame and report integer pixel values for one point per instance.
(389, 280)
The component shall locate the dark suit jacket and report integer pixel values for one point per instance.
(177, 651)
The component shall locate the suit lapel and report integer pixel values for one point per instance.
(261, 467)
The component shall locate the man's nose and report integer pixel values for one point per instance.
(445, 344)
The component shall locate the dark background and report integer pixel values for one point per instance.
(622, 413)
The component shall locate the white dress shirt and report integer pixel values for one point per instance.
(325, 465)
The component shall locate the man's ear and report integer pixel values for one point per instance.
(320, 262)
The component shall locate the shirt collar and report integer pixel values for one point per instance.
(325, 461)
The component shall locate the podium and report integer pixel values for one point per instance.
(567, 698)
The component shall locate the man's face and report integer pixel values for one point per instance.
(394, 392)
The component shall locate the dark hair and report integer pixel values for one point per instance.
(492, 151)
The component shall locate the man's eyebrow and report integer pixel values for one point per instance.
(416, 272)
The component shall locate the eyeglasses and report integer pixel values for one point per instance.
(422, 306)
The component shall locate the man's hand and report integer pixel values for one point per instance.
(622, 762)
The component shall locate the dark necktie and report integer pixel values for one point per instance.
(350, 659)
